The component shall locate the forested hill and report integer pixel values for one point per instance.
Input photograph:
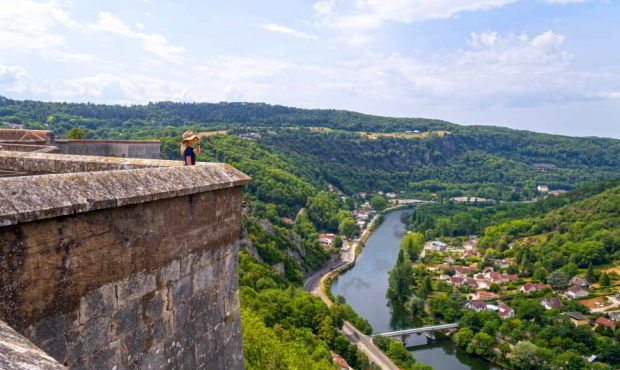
(176, 114)
(353, 151)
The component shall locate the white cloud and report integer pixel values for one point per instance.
(151, 42)
(14, 78)
(286, 30)
(369, 14)
(29, 25)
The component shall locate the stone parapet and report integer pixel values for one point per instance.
(48, 196)
(122, 263)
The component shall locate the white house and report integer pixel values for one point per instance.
(438, 246)
(576, 292)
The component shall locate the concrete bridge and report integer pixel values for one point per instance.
(423, 329)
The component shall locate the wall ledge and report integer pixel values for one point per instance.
(96, 183)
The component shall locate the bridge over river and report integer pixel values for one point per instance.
(422, 329)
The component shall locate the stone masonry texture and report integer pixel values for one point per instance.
(142, 283)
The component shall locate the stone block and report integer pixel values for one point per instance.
(162, 328)
(89, 338)
(51, 327)
(187, 264)
(134, 345)
(126, 320)
(181, 318)
(154, 304)
(135, 287)
(205, 276)
(97, 302)
(108, 357)
(153, 360)
(169, 273)
(181, 291)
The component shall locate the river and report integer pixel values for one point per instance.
(365, 285)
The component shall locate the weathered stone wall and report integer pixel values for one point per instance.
(111, 148)
(129, 268)
(152, 285)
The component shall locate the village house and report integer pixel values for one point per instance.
(449, 260)
(476, 305)
(614, 315)
(605, 322)
(487, 271)
(326, 240)
(504, 264)
(497, 278)
(457, 281)
(390, 195)
(575, 292)
(580, 282)
(287, 220)
(471, 282)
(442, 267)
(437, 246)
(542, 188)
(551, 303)
(471, 253)
(341, 362)
(529, 287)
(483, 295)
(505, 311)
(577, 318)
(483, 284)
(511, 277)
(444, 277)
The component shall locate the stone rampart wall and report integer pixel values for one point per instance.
(111, 148)
(148, 284)
(134, 267)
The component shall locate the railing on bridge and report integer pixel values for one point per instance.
(419, 330)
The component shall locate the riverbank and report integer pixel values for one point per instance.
(316, 286)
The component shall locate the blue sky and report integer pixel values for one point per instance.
(542, 65)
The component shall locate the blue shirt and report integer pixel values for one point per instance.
(189, 152)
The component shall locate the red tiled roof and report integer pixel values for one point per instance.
(605, 322)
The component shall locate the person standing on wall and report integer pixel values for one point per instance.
(187, 151)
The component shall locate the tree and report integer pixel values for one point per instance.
(463, 337)
(604, 280)
(558, 280)
(481, 344)
(569, 360)
(504, 348)
(540, 274)
(76, 133)
(327, 331)
(427, 287)
(400, 279)
(611, 353)
(378, 202)
(412, 243)
(591, 275)
(528, 356)
(348, 227)
(337, 243)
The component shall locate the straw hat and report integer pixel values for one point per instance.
(189, 136)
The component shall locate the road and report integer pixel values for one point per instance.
(363, 342)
